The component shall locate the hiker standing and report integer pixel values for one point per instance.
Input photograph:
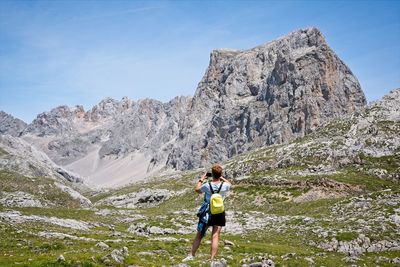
(218, 185)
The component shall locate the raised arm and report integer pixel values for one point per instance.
(200, 183)
(225, 180)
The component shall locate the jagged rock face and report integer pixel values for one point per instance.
(10, 125)
(16, 155)
(262, 96)
(149, 126)
(372, 132)
(247, 99)
(58, 121)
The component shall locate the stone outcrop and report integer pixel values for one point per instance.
(19, 199)
(16, 217)
(348, 141)
(362, 244)
(144, 198)
(19, 156)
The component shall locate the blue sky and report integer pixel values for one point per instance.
(78, 52)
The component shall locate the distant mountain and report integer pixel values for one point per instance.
(10, 125)
(270, 94)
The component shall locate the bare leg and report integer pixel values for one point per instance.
(215, 240)
(196, 243)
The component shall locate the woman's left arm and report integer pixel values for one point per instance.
(225, 180)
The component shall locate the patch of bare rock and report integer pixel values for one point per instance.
(20, 199)
(16, 217)
(362, 244)
(144, 198)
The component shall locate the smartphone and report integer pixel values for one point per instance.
(208, 174)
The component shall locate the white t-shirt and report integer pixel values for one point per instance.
(205, 188)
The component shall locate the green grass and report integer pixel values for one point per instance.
(3, 152)
(61, 212)
(368, 182)
(346, 236)
(41, 187)
(177, 183)
(389, 163)
(389, 127)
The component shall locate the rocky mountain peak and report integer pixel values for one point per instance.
(58, 121)
(11, 125)
(388, 107)
(305, 37)
(126, 103)
(247, 99)
(79, 111)
(106, 108)
(393, 97)
(265, 95)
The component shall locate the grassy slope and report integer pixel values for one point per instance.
(43, 252)
(19, 243)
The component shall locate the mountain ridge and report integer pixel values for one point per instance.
(246, 99)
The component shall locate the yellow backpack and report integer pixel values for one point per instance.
(216, 201)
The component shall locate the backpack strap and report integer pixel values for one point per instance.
(212, 191)
(219, 189)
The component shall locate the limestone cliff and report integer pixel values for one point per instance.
(247, 99)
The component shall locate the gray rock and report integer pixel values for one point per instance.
(60, 258)
(29, 161)
(288, 256)
(310, 261)
(17, 217)
(102, 245)
(143, 229)
(351, 259)
(219, 263)
(19, 199)
(64, 236)
(144, 198)
(10, 125)
(228, 243)
(85, 202)
(105, 260)
(395, 260)
(125, 251)
(264, 263)
(116, 255)
(360, 245)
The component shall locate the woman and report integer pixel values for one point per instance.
(217, 221)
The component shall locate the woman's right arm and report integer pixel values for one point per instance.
(200, 183)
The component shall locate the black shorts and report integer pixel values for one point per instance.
(217, 219)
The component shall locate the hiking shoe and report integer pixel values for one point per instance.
(188, 258)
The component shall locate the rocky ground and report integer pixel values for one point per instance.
(266, 227)
(310, 217)
(331, 198)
